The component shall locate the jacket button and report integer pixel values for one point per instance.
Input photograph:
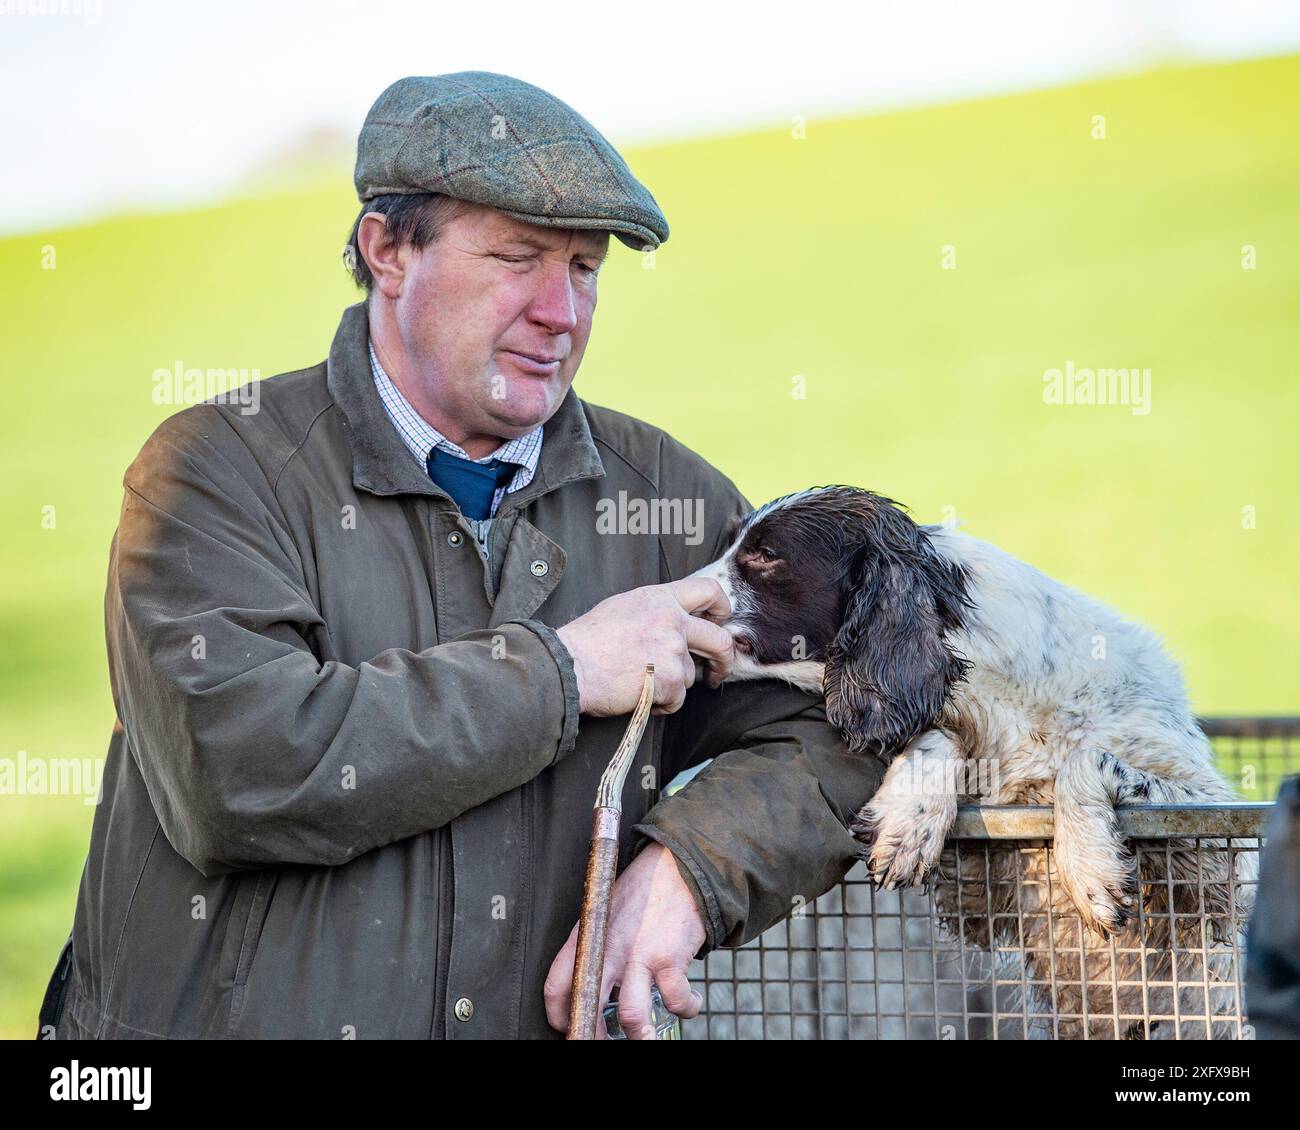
(464, 1008)
(539, 568)
(455, 538)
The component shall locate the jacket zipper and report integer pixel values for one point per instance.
(442, 951)
(525, 907)
(441, 846)
(54, 1014)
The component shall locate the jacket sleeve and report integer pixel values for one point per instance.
(253, 750)
(763, 829)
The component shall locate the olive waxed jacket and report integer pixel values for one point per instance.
(349, 786)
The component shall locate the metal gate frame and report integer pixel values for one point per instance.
(866, 964)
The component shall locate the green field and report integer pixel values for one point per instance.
(819, 258)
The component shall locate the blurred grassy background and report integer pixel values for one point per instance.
(817, 257)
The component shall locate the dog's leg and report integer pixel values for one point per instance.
(902, 827)
(1093, 863)
(1197, 897)
(1209, 880)
(1188, 887)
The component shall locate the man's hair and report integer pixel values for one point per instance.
(415, 218)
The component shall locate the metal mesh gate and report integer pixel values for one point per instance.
(995, 951)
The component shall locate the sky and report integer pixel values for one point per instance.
(134, 104)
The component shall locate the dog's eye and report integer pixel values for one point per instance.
(765, 554)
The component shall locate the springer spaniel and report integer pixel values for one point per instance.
(939, 653)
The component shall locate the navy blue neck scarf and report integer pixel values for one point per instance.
(472, 485)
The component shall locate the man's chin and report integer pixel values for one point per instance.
(527, 404)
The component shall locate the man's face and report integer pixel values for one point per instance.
(487, 292)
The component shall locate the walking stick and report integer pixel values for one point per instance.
(602, 862)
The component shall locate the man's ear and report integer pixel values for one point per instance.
(889, 670)
(383, 255)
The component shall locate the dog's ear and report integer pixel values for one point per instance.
(889, 670)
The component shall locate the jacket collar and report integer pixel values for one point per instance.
(382, 465)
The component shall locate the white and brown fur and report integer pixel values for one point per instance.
(931, 645)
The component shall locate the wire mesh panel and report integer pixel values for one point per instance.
(1255, 753)
(994, 949)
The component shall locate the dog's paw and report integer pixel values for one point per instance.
(900, 850)
(1107, 912)
(1106, 899)
(1094, 866)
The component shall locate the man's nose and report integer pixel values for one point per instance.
(553, 304)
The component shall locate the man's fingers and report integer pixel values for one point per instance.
(711, 643)
(702, 596)
(558, 990)
(670, 694)
(634, 1002)
(676, 990)
(607, 979)
(688, 670)
(671, 705)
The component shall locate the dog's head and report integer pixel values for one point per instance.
(837, 585)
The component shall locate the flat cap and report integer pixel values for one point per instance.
(492, 139)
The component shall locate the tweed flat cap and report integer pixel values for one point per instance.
(492, 139)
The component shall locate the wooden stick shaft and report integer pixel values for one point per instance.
(589, 966)
(602, 864)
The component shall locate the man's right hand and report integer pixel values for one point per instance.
(666, 625)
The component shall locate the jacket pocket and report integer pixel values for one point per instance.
(258, 906)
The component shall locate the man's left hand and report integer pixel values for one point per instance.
(654, 932)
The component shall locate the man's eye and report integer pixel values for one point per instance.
(586, 268)
(513, 258)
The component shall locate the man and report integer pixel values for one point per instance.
(370, 646)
